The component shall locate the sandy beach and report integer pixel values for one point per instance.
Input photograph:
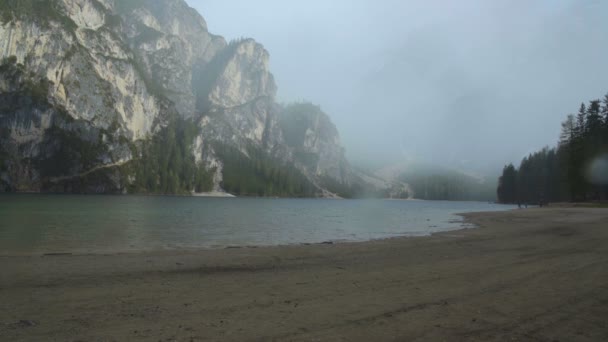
(524, 275)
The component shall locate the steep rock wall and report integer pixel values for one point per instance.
(85, 83)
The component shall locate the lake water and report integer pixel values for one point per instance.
(37, 224)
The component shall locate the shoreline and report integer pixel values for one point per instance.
(223, 194)
(536, 274)
(195, 250)
(217, 194)
(464, 225)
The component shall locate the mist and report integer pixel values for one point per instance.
(468, 84)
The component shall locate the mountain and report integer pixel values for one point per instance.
(428, 181)
(134, 96)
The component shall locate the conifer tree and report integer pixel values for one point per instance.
(560, 174)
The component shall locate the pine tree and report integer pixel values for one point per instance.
(507, 185)
(568, 133)
(581, 120)
(604, 110)
(558, 174)
(568, 160)
(594, 120)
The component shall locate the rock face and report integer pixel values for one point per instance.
(84, 84)
(315, 142)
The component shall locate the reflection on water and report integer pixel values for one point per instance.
(32, 224)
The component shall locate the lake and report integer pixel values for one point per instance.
(38, 224)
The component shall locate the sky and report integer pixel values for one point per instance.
(471, 84)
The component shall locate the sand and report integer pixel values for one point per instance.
(525, 275)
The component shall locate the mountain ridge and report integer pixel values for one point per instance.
(144, 87)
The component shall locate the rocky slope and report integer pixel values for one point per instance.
(315, 143)
(137, 96)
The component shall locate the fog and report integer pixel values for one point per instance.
(469, 84)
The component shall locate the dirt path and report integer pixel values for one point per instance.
(82, 174)
(529, 275)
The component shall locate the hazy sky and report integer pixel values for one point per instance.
(473, 83)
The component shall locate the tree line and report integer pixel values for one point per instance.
(256, 173)
(435, 183)
(574, 170)
(164, 163)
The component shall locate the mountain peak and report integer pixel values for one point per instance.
(137, 96)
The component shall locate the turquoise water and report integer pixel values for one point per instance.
(36, 224)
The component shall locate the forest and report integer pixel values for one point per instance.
(258, 174)
(575, 170)
(435, 183)
(166, 165)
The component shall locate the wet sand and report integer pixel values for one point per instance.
(526, 275)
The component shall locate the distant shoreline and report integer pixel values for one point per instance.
(222, 194)
(213, 194)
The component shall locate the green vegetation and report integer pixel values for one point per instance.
(563, 173)
(431, 183)
(7, 61)
(165, 164)
(309, 159)
(153, 87)
(354, 190)
(9, 65)
(4, 160)
(295, 120)
(35, 88)
(38, 89)
(41, 11)
(537, 180)
(3, 154)
(68, 152)
(260, 175)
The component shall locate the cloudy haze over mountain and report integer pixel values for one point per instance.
(470, 83)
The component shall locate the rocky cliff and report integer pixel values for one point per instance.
(315, 142)
(137, 96)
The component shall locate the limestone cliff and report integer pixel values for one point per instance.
(315, 142)
(90, 88)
